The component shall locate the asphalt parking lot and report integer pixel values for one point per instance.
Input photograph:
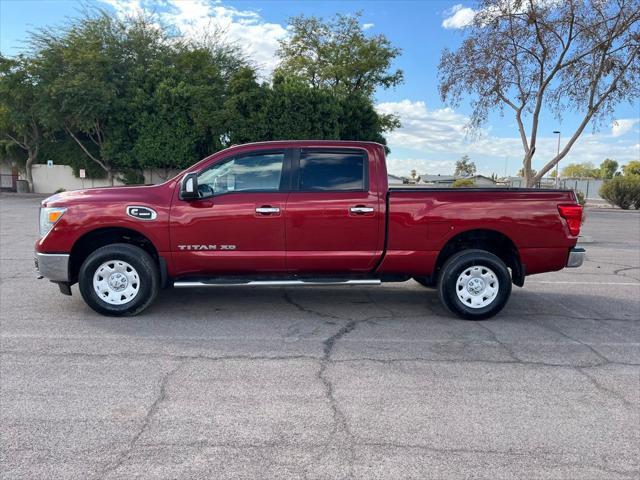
(331, 383)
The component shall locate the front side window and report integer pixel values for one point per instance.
(256, 172)
(327, 171)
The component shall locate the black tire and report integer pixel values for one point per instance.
(141, 261)
(425, 282)
(453, 269)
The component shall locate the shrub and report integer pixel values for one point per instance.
(580, 197)
(463, 182)
(622, 191)
(132, 177)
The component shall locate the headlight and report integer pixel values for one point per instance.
(49, 217)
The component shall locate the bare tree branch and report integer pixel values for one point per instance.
(88, 153)
(17, 142)
(531, 56)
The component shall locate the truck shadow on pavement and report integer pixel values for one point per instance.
(386, 323)
(266, 306)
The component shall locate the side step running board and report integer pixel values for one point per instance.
(274, 283)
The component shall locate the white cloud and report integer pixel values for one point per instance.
(259, 39)
(403, 166)
(423, 128)
(125, 7)
(431, 140)
(367, 26)
(458, 16)
(196, 19)
(622, 126)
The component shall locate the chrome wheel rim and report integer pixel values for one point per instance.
(116, 282)
(477, 286)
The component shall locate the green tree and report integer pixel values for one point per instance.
(608, 169)
(339, 55)
(292, 109)
(298, 111)
(84, 76)
(245, 109)
(176, 110)
(463, 183)
(358, 120)
(631, 168)
(465, 167)
(580, 170)
(130, 96)
(532, 56)
(20, 103)
(622, 191)
(122, 95)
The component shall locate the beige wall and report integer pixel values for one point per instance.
(49, 179)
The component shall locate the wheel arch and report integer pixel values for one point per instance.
(490, 240)
(103, 236)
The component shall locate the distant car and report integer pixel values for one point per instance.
(303, 213)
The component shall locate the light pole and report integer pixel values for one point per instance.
(557, 132)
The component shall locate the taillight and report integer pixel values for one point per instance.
(573, 215)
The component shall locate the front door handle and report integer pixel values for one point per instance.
(267, 210)
(361, 209)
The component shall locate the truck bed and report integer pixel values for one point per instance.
(422, 220)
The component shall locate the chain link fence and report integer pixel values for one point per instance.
(589, 187)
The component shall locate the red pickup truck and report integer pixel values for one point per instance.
(303, 213)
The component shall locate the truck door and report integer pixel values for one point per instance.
(238, 225)
(333, 215)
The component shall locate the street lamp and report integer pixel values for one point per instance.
(557, 132)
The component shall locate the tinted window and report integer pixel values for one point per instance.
(332, 171)
(251, 172)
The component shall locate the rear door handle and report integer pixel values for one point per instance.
(266, 210)
(361, 209)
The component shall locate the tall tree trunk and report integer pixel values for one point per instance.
(110, 177)
(529, 180)
(28, 172)
(32, 155)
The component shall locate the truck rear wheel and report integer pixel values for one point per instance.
(474, 284)
(119, 279)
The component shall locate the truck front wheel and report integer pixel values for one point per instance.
(474, 284)
(119, 279)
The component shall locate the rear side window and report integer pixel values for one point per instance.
(331, 171)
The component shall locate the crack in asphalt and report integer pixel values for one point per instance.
(340, 425)
(153, 408)
(495, 338)
(574, 317)
(607, 391)
(341, 436)
(544, 324)
(619, 274)
(222, 358)
(309, 310)
(552, 457)
(341, 430)
(537, 454)
(487, 362)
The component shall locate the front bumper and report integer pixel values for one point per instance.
(576, 257)
(54, 266)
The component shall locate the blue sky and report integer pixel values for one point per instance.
(432, 136)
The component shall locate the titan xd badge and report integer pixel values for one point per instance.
(207, 247)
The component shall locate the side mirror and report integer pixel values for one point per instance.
(189, 187)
